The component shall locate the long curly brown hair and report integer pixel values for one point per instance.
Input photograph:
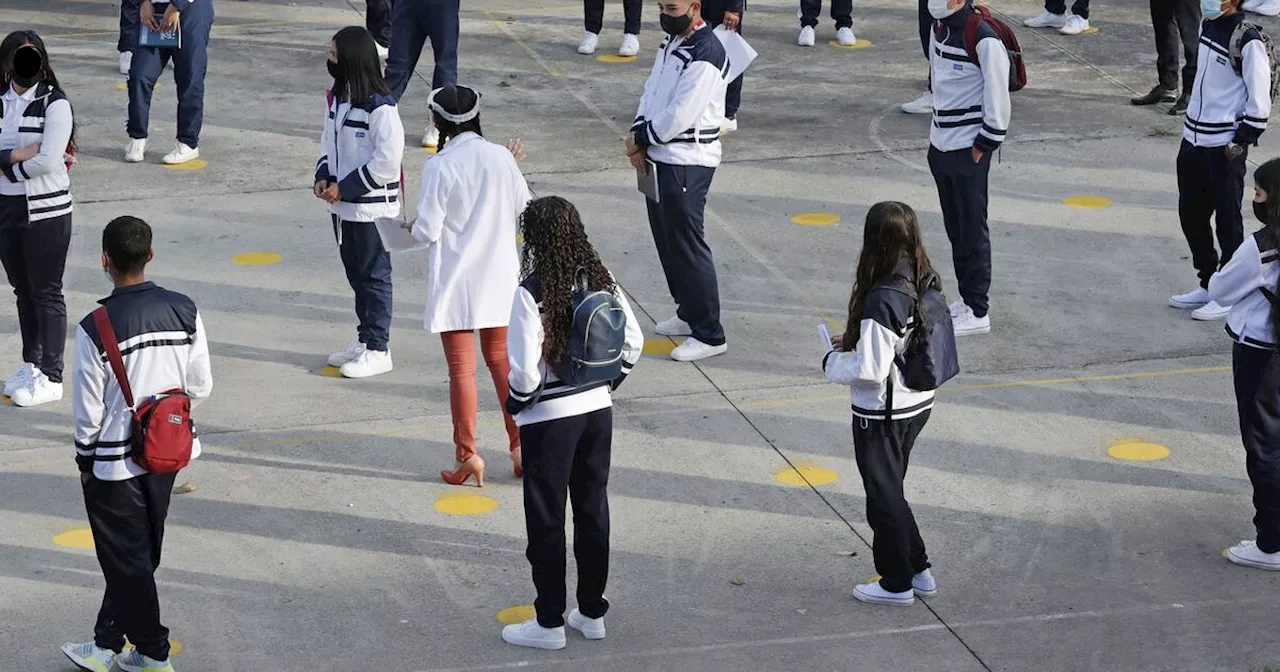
(555, 247)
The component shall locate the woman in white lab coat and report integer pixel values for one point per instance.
(472, 197)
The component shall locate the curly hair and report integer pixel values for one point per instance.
(555, 247)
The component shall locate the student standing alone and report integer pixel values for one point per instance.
(195, 19)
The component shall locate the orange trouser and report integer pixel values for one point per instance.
(460, 351)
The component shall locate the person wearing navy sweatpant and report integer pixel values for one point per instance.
(412, 23)
(676, 222)
(713, 13)
(368, 266)
(189, 65)
(377, 18)
(130, 26)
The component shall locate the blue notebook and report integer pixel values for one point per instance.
(155, 39)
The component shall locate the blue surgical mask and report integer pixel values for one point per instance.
(1210, 9)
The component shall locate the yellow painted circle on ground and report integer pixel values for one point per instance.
(519, 239)
(1226, 552)
(1087, 201)
(465, 505)
(81, 538)
(175, 646)
(875, 578)
(257, 258)
(857, 44)
(614, 58)
(193, 164)
(517, 614)
(805, 474)
(125, 85)
(1138, 451)
(431, 150)
(331, 371)
(1091, 30)
(660, 346)
(815, 218)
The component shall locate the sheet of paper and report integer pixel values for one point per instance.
(647, 180)
(825, 334)
(395, 238)
(736, 48)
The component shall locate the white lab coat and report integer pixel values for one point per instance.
(471, 201)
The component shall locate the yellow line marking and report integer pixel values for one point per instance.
(502, 26)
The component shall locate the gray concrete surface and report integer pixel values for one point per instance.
(312, 542)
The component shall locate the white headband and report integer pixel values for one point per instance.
(454, 118)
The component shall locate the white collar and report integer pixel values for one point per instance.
(11, 95)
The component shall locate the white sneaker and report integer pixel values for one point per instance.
(1074, 25)
(965, 323)
(368, 364)
(588, 44)
(957, 307)
(806, 38)
(1263, 7)
(135, 150)
(591, 628)
(673, 327)
(924, 585)
(350, 354)
(1247, 554)
(38, 390)
(132, 661)
(88, 656)
(534, 636)
(1046, 19)
(872, 593)
(431, 136)
(1192, 299)
(126, 62)
(181, 154)
(1210, 311)
(630, 45)
(921, 105)
(19, 379)
(383, 52)
(693, 350)
(845, 37)
(729, 125)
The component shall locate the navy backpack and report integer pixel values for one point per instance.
(594, 352)
(930, 358)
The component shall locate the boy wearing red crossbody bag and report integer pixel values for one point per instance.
(142, 363)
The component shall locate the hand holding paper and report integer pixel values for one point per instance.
(397, 236)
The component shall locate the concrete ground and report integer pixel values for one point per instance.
(318, 537)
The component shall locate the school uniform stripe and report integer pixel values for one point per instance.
(1214, 46)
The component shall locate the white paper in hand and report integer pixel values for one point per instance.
(740, 53)
(395, 238)
(825, 334)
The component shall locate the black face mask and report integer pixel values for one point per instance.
(28, 67)
(333, 69)
(675, 25)
(1260, 211)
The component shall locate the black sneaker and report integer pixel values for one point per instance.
(1180, 106)
(1158, 94)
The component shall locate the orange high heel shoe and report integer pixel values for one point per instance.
(517, 463)
(474, 466)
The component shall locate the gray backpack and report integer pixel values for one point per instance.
(1237, 53)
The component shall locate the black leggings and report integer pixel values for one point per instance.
(34, 255)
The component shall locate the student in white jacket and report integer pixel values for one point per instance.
(1248, 283)
(358, 174)
(472, 196)
(567, 430)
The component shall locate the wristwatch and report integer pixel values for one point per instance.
(1234, 151)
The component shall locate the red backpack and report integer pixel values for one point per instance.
(163, 434)
(1017, 68)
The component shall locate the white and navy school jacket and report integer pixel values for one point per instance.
(361, 149)
(682, 108)
(1254, 266)
(41, 115)
(970, 100)
(524, 350)
(1226, 107)
(870, 366)
(162, 340)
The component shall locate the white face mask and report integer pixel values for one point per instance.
(938, 9)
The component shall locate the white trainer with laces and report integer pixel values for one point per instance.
(534, 636)
(591, 628)
(19, 378)
(1211, 311)
(693, 350)
(38, 390)
(630, 45)
(1263, 7)
(126, 62)
(965, 323)
(845, 37)
(957, 307)
(132, 661)
(383, 52)
(370, 363)
(872, 593)
(1046, 19)
(921, 105)
(136, 150)
(1074, 25)
(181, 154)
(672, 327)
(88, 656)
(730, 125)
(1192, 299)
(806, 37)
(350, 354)
(588, 44)
(923, 584)
(431, 136)
(1247, 554)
